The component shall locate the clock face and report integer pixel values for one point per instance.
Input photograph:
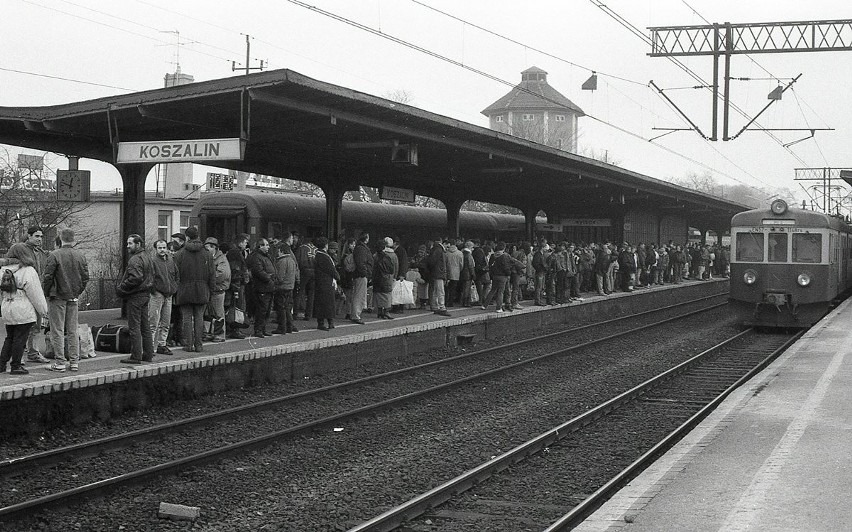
(70, 187)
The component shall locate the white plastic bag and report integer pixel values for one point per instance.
(87, 342)
(403, 293)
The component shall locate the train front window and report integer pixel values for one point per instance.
(807, 247)
(777, 247)
(749, 247)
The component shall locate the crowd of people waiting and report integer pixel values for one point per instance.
(172, 290)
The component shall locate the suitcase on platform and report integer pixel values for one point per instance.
(111, 338)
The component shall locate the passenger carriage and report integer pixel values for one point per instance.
(788, 265)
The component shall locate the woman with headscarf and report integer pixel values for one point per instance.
(384, 272)
(326, 285)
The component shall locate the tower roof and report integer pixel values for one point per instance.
(534, 93)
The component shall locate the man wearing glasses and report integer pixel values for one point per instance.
(30, 253)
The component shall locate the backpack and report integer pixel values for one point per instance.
(8, 282)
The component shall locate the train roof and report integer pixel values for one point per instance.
(802, 217)
(311, 210)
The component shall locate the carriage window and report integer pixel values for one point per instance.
(807, 247)
(778, 247)
(750, 247)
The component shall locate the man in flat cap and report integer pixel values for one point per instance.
(221, 282)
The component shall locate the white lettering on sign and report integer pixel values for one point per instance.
(171, 151)
(397, 194)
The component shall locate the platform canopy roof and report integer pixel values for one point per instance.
(300, 128)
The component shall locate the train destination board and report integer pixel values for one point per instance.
(183, 151)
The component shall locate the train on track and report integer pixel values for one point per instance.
(261, 214)
(788, 266)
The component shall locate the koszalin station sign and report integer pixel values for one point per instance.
(181, 151)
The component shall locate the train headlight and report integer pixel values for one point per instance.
(750, 277)
(804, 279)
(778, 206)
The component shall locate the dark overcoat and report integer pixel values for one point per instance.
(324, 292)
(197, 276)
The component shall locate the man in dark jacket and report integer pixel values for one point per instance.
(135, 288)
(306, 258)
(263, 277)
(363, 271)
(65, 276)
(166, 281)
(539, 263)
(236, 295)
(197, 277)
(501, 268)
(481, 278)
(436, 262)
(601, 267)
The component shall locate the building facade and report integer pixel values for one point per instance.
(536, 111)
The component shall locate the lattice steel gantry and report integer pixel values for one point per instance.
(725, 40)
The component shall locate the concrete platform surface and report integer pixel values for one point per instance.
(776, 455)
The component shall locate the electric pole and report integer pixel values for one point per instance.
(247, 68)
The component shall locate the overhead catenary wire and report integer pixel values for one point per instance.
(48, 76)
(493, 77)
(116, 28)
(633, 29)
(534, 49)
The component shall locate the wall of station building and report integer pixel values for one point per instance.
(635, 226)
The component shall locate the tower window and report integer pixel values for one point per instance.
(560, 118)
(558, 144)
(528, 117)
(499, 118)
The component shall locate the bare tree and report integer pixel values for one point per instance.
(400, 96)
(28, 197)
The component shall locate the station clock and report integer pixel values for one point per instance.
(72, 185)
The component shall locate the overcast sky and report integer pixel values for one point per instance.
(121, 46)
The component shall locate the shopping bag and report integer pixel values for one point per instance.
(87, 343)
(474, 295)
(403, 293)
(235, 315)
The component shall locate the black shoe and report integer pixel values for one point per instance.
(130, 361)
(279, 330)
(293, 330)
(322, 328)
(359, 322)
(163, 350)
(387, 316)
(330, 324)
(236, 335)
(18, 371)
(442, 313)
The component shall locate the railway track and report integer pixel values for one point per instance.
(60, 476)
(526, 488)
